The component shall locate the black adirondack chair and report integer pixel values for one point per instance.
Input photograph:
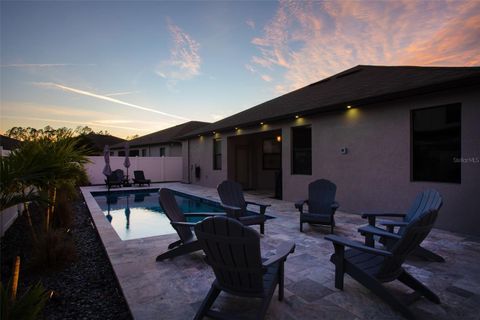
(116, 178)
(372, 266)
(321, 204)
(139, 178)
(233, 252)
(233, 201)
(428, 199)
(188, 242)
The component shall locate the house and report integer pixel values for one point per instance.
(96, 142)
(163, 143)
(8, 144)
(382, 134)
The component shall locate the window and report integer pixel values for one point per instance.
(134, 153)
(217, 154)
(272, 154)
(121, 153)
(162, 151)
(144, 152)
(302, 150)
(436, 144)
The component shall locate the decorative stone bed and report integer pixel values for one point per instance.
(87, 289)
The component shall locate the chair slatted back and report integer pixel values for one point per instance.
(413, 235)
(428, 199)
(118, 174)
(321, 195)
(139, 175)
(231, 194)
(174, 213)
(233, 252)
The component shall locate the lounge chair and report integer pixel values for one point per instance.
(372, 266)
(116, 178)
(188, 242)
(321, 204)
(233, 201)
(233, 252)
(428, 199)
(139, 178)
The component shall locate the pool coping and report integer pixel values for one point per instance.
(115, 247)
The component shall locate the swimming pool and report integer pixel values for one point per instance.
(137, 213)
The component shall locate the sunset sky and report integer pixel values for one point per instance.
(138, 67)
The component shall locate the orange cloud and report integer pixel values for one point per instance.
(309, 40)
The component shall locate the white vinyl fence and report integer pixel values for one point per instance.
(157, 169)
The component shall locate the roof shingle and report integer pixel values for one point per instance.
(359, 85)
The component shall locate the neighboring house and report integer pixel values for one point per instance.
(381, 134)
(163, 143)
(8, 144)
(96, 142)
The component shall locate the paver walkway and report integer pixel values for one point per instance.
(174, 289)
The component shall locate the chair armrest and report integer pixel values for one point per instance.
(282, 252)
(394, 223)
(204, 214)
(232, 212)
(378, 232)
(383, 214)
(299, 205)
(180, 223)
(227, 207)
(372, 216)
(262, 206)
(344, 242)
(335, 205)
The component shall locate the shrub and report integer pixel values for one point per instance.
(53, 250)
(26, 307)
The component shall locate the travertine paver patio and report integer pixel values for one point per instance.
(174, 289)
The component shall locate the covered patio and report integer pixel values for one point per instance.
(174, 289)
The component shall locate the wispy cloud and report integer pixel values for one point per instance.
(267, 78)
(184, 62)
(105, 98)
(309, 40)
(250, 23)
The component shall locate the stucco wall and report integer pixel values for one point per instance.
(156, 169)
(375, 173)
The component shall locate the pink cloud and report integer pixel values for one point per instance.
(185, 61)
(307, 41)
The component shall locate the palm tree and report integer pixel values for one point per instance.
(39, 167)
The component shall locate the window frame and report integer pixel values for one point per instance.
(308, 171)
(413, 177)
(217, 162)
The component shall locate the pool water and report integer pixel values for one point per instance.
(137, 214)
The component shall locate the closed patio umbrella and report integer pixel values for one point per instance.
(106, 155)
(126, 162)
